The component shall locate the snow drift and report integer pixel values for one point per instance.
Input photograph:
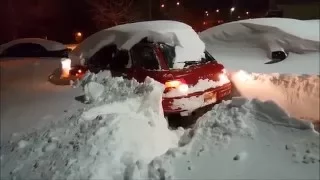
(47, 44)
(188, 46)
(297, 94)
(270, 34)
(116, 136)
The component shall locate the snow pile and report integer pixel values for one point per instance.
(202, 85)
(297, 94)
(115, 137)
(188, 46)
(270, 34)
(47, 44)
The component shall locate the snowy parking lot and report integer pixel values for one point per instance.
(266, 132)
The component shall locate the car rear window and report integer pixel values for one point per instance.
(169, 56)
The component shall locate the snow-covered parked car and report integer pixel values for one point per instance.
(169, 52)
(33, 47)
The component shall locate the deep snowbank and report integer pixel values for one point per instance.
(297, 94)
(115, 137)
(270, 34)
(264, 143)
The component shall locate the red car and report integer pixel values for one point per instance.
(197, 84)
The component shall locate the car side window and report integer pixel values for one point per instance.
(145, 57)
(120, 60)
(25, 47)
(102, 58)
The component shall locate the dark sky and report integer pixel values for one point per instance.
(70, 16)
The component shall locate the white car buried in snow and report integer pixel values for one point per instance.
(169, 52)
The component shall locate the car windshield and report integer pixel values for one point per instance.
(169, 56)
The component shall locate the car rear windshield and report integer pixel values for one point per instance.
(169, 56)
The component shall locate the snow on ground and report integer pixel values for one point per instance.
(188, 46)
(28, 100)
(114, 137)
(249, 140)
(47, 44)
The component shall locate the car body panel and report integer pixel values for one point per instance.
(191, 75)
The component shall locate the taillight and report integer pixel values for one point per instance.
(179, 84)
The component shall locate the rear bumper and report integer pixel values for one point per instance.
(170, 105)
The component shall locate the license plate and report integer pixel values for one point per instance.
(210, 96)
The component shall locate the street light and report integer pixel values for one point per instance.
(247, 12)
(78, 34)
(178, 3)
(206, 12)
(162, 5)
(231, 11)
(217, 10)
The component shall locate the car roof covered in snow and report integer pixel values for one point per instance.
(47, 44)
(187, 43)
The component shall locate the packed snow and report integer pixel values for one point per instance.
(47, 44)
(28, 100)
(188, 46)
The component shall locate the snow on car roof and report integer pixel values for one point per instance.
(47, 44)
(188, 45)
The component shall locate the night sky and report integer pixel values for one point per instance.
(60, 19)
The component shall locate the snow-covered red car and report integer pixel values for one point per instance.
(167, 51)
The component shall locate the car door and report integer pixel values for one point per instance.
(145, 61)
(119, 65)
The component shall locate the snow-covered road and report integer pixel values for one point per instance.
(28, 100)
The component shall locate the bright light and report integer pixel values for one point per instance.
(223, 78)
(247, 13)
(79, 34)
(243, 76)
(217, 10)
(232, 9)
(206, 12)
(183, 88)
(204, 23)
(224, 71)
(178, 3)
(162, 5)
(65, 66)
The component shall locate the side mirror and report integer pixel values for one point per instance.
(279, 55)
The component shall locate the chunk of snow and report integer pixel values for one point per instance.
(188, 46)
(22, 144)
(47, 44)
(93, 91)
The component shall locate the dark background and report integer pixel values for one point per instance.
(60, 19)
